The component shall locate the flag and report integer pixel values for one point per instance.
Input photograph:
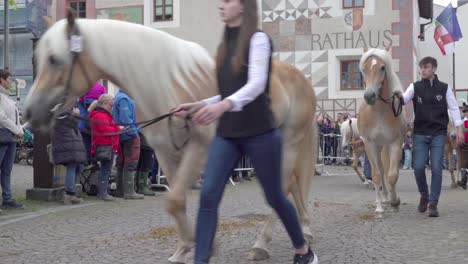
(447, 30)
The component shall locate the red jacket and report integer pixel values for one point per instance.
(466, 132)
(104, 124)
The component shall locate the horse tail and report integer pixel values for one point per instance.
(307, 158)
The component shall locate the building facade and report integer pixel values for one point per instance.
(25, 25)
(323, 38)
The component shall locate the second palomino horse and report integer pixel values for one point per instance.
(351, 137)
(382, 125)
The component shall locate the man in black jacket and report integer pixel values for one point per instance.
(431, 100)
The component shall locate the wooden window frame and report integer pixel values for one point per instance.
(78, 6)
(351, 79)
(353, 5)
(163, 6)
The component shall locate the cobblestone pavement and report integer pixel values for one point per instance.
(141, 232)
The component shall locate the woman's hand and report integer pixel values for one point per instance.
(211, 113)
(20, 135)
(185, 110)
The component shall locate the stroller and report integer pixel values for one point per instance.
(25, 148)
(463, 159)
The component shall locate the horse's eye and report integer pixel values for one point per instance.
(53, 60)
(382, 68)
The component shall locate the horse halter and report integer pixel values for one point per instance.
(76, 47)
(399, 108)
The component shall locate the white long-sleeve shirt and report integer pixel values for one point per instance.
(259, 59)
(451, 103)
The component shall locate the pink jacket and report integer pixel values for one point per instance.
(93, 94)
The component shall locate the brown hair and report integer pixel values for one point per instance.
(428, 60)
(248, 27)
(4, 74)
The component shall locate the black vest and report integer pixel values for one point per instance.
(430, 108)
(256, 117)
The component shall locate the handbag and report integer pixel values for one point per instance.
(103, 153)
(6, 136)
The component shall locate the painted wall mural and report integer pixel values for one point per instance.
(133, 14)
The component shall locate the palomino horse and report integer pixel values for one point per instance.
(450, 146)
(160, 72)
(382, 124)
(351, 137)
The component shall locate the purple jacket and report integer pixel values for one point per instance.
(93, 94)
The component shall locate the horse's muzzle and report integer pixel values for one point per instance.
(370, 97)
(37, 114)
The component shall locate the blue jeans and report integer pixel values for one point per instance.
(422, 146)
(265, 152)
(73, 169)
(7, 157)
(367, 168)
(407, 164)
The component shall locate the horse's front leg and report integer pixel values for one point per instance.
(260, 249)
(394, 154)
(358, 152)
(190, 167)
(451, 165)
(374, 154)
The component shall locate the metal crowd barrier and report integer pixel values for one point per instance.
(244, 165)
(340, 156)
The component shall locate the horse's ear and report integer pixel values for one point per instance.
(366, 49)
(70, 19)
(48, 20)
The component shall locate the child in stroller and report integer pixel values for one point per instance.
(25, 147)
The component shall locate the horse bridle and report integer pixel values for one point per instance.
(396, 111)
(76, 47)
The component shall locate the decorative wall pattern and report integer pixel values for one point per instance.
(290, 10)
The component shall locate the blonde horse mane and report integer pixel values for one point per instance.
(392, 77)
(348, 130)
(171, 62)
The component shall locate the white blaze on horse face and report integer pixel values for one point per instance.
(374, 62)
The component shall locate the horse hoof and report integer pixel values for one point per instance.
(309, 238)
(175, 261)
(395, 203)
(378, 215)
(257, 254)
(454, 185)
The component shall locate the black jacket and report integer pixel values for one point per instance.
(430, 107)
(256, 117)
(67, 143)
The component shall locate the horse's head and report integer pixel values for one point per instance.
(374, 69)
(64, 72)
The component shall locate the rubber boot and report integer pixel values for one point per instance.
(129, 186)
(119, 192)
(142, 183)
(102, 191)
(464, 179)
